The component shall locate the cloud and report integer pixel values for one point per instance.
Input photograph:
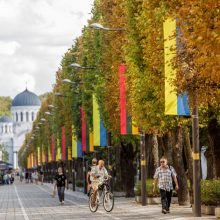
(8, 48)
(35, 37)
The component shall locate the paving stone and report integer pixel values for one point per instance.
(34, 202)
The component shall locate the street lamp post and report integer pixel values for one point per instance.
(143, 170)
(196, 157)
(73, 176)
(84, 174)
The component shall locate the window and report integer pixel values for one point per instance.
(16, 116)
(32, 116)
(21, 116)
(27, 116)
(6, 129)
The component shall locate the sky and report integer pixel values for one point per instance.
(34, 35)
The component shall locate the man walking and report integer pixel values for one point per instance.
(165, 175)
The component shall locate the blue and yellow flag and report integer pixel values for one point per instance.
(174, 104)
(99, 131)
(76, 145)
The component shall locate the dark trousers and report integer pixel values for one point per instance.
(165, 198)
(60, 190)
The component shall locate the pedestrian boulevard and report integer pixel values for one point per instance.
(34, 202)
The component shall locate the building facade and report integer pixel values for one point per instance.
(24, 109)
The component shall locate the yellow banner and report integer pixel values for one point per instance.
(69, 153)
(170, 72)
(91, 142)
(74, 143)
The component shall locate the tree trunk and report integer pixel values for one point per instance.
(149, 156)
(214, 149)
(155, 152)
(178, 164)
(189, 160)
(168, 146)
(127, 168)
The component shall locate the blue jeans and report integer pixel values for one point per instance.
(60, 190)
(165, 198)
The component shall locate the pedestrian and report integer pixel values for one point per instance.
(60, 184)
(94, 163)
(12, 178)
(26, 177)
(41, 176)
(21, 174)
(5, 178)
(35, 177)
(164, 176)
(9, 178)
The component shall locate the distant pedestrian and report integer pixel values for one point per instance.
(165, 175)
(60, 184)
(41, 176)
(35, 177)
(21, 174)
(12, 178)
(5, 178)
(26, 177)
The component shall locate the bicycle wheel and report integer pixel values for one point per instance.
(91, 207)
(108, 201)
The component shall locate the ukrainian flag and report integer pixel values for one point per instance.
(76, 145)
(99, 131)
(174, 104)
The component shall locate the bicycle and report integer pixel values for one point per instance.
(108, 197)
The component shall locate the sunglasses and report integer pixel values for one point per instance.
(162, 161)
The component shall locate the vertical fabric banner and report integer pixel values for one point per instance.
(91, 141)
(63, 144)
(99, 131)
(69, 153)
(49, 154)
(83, 128)
(41, 155)
(38, 156)
(127, 126)
(32, 160)
(52, 147)
(76, 145)
(174, 104)
(123, 113)
(58, 150)
(35, 159)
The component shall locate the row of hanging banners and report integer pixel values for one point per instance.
(97, 136)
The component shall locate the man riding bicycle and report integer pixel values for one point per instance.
(98, 174)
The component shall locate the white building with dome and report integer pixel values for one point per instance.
(24, 109)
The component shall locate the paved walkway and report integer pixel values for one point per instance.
(32, 202)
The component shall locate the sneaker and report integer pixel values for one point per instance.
(168, 210)
(62, 203)
(164, 211)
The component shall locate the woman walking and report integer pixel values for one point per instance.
(61, 184)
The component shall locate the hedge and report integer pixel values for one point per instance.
(210, 192)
